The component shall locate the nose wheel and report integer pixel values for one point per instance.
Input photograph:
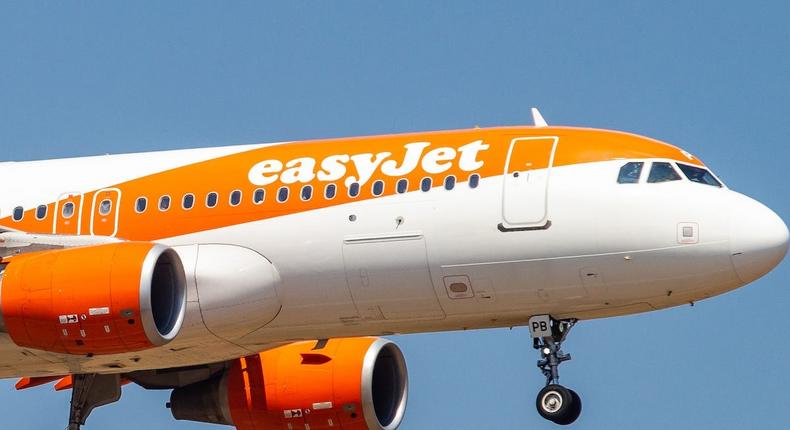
(558, 404)
(554, 402)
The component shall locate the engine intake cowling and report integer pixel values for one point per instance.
(354, 383)
(104, 299)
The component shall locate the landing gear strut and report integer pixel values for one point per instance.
(90, 391)
(554, 402)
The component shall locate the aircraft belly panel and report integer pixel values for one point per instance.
(389, 278)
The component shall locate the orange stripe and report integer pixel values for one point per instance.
(228, 173)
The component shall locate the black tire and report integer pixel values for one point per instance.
(574, 410)
(555, 403)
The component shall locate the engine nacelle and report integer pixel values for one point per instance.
(103, 299)
(354, 383)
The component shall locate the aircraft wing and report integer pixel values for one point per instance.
(18, 242)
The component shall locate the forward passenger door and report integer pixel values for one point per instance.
(526, 182)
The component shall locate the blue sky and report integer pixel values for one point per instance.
(83, 78)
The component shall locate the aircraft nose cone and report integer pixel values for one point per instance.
(758, 239)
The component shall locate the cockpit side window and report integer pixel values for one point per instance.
(699, 175)
(630, 173)
(662, 172)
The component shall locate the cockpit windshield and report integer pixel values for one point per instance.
(630, 172)
(699, 175)
(662, 172)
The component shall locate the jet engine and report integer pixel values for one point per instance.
(93, 300)
(353, 383)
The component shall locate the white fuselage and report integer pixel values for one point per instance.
(436, 260)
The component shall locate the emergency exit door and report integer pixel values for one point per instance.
(104, 212)
(68, 214)
(526, 181)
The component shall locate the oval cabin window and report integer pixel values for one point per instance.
(164, 203)
(474, 180)
(425, 185)
(330, 191)
(105, 207)
(41, 212)
(403, 186)
(68, 210)
(282, 194)
(307, 193)
(258, 196)
(449, 183)
(188, 202)
(141, 205)
(19, 213)
(353, 190)
(378, 188)
(211, 200)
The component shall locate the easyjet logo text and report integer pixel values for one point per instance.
(336, 167)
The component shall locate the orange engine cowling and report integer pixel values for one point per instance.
(103, 299)
(353, 383)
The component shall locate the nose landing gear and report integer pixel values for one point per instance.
(554, 402)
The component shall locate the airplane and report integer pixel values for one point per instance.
(262, 284)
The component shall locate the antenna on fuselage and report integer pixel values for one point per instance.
(537, 118)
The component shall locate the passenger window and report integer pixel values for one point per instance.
(68, 210)
(699, 175)
(141, 205)
(188, 202)
(630, 173)
(211, 200)
(449, 183)
(378, 188)
(258, 196)
(353, 190)
(164, 203)
(474, 180)
(105, 207)
(662, 172)
(330, 191)
(425, 185)
(282, 194)
(307, 193)
(19, 213)
(235, 198)
(403, 186)
(41, 212)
